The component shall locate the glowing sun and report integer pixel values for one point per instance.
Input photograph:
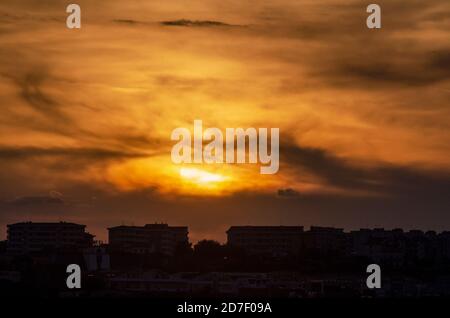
(200, 176)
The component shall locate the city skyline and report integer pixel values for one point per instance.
(231, 228)
(363, 114)
(156, 260)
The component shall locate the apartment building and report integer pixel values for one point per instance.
(150, 238)
(28, 237)
(267, 240)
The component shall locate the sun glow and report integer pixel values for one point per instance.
(158, 173)
(199, 176)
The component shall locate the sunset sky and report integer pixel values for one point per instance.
(364, 115)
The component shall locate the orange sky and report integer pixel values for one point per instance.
(94, 108)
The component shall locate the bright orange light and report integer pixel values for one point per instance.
(199, 176)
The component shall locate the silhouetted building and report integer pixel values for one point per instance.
(96, 259)
(266, 240)
(27, 237)
(445, 239)
(393, 247)
(3, 245)
(151, 238)
(326, 240)
(380, 245)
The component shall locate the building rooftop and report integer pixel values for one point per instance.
(265, 227)
(154, 226)
(46, 224)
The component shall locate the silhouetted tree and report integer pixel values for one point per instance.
(183, 249)
(208, 249)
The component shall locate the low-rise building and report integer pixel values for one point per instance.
(326, 240)
(266, 240)
(28, 237)
(151, 238)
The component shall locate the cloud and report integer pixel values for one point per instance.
(36, 200)
(325, 165)
(337, 50)
(177, 23)
(35, 98)
(16, 153)
(368, 109)
(31, 90)
(288, 193)
(196, 23)
(375, 177)
(127, 21)
(418, 70)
